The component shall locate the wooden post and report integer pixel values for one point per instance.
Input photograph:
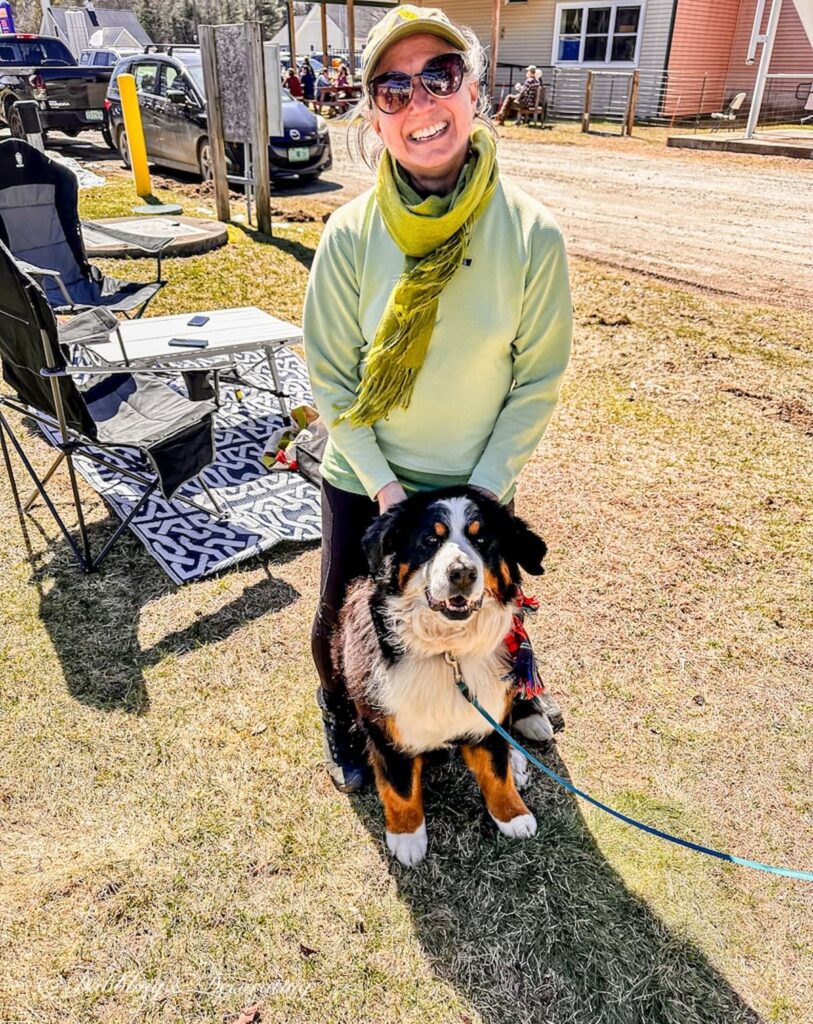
(214, 120)
(496, 7)
(292, 33)
(259, 125)
(633, 101)
(351, 37)
(588, 96)
(323, 13)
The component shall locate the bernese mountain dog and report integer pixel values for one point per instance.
(444, 580)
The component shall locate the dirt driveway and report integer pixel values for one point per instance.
(730, 223)
(735, 224)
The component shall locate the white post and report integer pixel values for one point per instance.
(764, 64)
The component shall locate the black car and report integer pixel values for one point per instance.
(173, 114)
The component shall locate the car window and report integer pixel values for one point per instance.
(102, 59)
(36, 52)
(85, 57)
(145, 78)
(195, 72)
(169, 75)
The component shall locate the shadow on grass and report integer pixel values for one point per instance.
(544, 930)
(301, 253)
(93, 619)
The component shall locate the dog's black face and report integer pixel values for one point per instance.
(455, 544)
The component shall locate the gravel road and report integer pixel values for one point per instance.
(735, 224)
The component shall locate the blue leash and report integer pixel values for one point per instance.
(806, 876)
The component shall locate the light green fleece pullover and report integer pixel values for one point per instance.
(491, 377)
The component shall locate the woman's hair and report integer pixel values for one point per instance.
(362, 140)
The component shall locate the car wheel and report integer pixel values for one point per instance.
(15, 123)
(124, 148)
(205, 160)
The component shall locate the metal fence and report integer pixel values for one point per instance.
(675, 100)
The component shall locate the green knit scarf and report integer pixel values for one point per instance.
(433, 234)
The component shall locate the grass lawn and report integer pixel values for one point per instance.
(171, 851)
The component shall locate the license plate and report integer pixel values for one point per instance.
(299, 153)
(94, 115)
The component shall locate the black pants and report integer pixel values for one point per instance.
(345, 517)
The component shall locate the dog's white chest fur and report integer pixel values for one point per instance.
(428, 709)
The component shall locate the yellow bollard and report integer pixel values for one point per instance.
(135, 135)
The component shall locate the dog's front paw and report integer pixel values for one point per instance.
(536, 727)
(410, 847)
(523, 826)
(519, 767)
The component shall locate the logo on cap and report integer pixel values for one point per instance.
(407, 15)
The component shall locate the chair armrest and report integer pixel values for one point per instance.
(34, 271)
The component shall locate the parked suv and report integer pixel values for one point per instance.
(173, 114)
(103, 57)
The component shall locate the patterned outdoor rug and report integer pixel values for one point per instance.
(265, 508)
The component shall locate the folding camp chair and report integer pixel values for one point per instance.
(39, 222)
(730, 112)
(91, 411)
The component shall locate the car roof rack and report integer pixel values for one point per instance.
(169, 48)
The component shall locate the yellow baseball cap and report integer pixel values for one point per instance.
(404, 21)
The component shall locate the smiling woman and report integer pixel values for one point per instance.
(437, 321)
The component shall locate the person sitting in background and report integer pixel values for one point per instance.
(524, 97)
(293, 84)
(343, 77)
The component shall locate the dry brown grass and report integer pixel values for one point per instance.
(171, 850)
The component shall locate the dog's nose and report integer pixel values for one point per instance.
(462, 576)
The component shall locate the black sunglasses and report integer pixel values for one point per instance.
(441, 76)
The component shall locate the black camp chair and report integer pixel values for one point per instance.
(90, 410)
(39, 222)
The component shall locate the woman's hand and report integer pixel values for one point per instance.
(390, 494)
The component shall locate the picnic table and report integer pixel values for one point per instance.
(337, 99)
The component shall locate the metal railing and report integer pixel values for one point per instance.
(678, 101)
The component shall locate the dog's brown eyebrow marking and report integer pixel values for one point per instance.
(441, 529)
(473, 528)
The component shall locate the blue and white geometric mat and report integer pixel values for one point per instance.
(265, 508)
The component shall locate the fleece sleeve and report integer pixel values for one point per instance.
(333, 347)
(541, 351)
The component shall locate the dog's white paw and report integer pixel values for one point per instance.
(409, 847)
(521, 827)
(519, 766)
(535, 727)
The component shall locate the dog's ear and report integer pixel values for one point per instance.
(529, 548)
(380, 538)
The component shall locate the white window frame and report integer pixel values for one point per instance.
(585, 7)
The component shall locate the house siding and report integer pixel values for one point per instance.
(792, 54)
(707, 60)
(700, 55)
(526, 37)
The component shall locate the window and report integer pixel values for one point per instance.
(145, 76)
(598, 33)
(104, 59)
(168, 75)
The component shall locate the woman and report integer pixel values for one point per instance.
(293, 84)
(437, 319)
(308, 79)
